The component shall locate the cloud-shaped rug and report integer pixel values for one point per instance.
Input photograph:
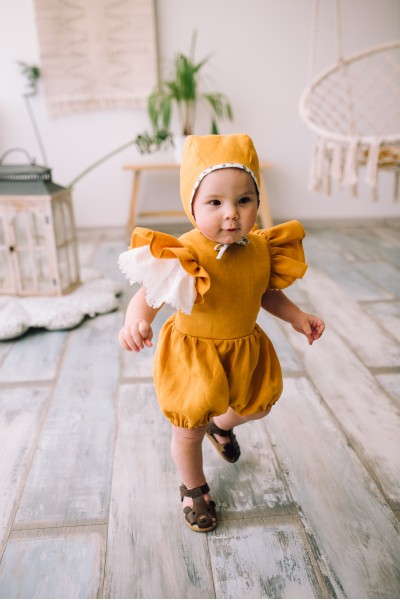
(95, 296)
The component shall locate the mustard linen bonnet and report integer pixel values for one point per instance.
(203, 154)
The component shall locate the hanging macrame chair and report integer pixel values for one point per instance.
(353, 108)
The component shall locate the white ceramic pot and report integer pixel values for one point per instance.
(179, 141)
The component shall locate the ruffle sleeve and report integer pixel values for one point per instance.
(167, 270)
(285, 247)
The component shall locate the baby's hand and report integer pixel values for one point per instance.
(136, 336)
(312, 326)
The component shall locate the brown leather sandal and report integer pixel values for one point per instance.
(229, 451)
(199, 518)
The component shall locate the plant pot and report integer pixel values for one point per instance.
(179, 141)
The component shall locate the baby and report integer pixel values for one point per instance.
(215, 368)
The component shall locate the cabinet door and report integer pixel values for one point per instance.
(7, 279)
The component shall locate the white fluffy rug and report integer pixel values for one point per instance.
(95, 296)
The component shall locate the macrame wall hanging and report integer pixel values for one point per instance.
(96, 54)
(353, 107)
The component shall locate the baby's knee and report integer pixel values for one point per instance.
(259, 415)
(264, 413)
(188, 436)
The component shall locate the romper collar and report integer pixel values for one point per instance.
(223, 247)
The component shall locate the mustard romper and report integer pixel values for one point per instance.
(211, 354)
(217, 356)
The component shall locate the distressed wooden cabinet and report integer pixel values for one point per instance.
(38, 253)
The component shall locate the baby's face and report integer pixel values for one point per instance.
(225, 205)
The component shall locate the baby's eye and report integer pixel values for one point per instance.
(244, 200)
(215, 202)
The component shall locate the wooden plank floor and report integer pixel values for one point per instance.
(89, 502)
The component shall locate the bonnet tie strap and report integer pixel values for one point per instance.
(223, 247)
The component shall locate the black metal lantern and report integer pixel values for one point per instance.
(38, 253)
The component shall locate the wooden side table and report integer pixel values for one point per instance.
(263, 211)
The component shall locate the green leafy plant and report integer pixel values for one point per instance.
(32, 75)
(183, 92)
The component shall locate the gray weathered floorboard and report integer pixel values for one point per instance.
(391, 383)
(352, 245)
(106, 258)
(34, 358)
(261, 558)
(360, 245)
(359, 285)
(366, 415)
(387, 236)
(21, 413)
(31, 564)
(287, 356)
(151, 554)
(254, 486)
(138, 365)
(5, 348)
(86, 252)
(387, 276)
(355, 326)
(387, 314)
(354, 535)
(69, 481)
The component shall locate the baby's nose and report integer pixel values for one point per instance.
(231, 211)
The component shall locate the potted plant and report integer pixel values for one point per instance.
(32, 74)
(182, 92)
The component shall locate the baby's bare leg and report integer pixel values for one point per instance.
(188, 456)
(186, 450)
(231, 419)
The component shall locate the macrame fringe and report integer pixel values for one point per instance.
(340, 161)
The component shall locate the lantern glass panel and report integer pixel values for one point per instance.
(6, 277)
(65, 240)
(31, 253)
(6, 281)
(2, 234)
(63, 265)
(43, 280)
(67, 213)
(25, 270)
(38, 229)
(34, 272)
(41, 267)
(29, 229)
(58, 224)
(73, 261)
(21, 224)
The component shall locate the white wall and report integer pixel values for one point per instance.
(259, 59)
